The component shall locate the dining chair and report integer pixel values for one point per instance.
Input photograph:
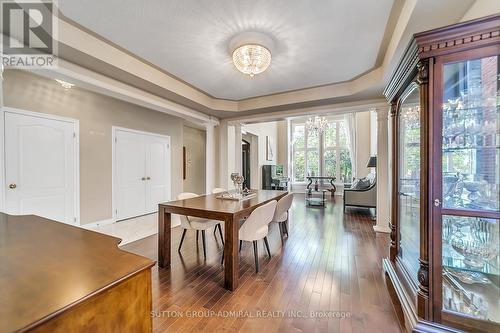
(256, 227)
(281, 214)
(196, 223)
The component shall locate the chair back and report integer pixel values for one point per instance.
(218, 190)
(261, 216)
(284, 204)
(184, 219)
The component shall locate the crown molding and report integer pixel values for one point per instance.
(157, 81)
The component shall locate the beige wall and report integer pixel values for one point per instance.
(195, 141)
(282, 145)
(482, 8)
(96, 113)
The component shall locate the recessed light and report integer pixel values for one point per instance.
(65, 85)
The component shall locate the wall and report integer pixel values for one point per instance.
(195, 142)
(482, 8)
(363, 143)
(282, 145)
(262, 130)
(96, 113)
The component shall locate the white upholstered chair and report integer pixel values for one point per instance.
(281, 214)
(196, 223)
(256, 227)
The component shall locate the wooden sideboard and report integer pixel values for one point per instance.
(59, 278)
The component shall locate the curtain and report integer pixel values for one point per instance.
(350, 120)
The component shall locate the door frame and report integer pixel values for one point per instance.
(76, 143)
(114, 129)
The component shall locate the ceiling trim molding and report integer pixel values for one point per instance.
(81, 39)
(324, 110)
(101, 84)
(388, 32)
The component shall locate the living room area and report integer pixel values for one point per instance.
(250, 166)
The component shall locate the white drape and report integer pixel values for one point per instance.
(350, 120)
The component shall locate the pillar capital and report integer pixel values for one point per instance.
(211, 123)
(382, 114)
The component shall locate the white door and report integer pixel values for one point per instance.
(130, 186)
(40, 167)
(158, 171)
(142, 173)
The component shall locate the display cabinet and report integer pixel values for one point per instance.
(444, 264)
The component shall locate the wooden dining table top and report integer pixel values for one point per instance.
(220, 208)
(214, 208)
(48, 267)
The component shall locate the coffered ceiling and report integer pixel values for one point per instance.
(314, 42)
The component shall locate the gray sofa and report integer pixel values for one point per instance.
(366, 198)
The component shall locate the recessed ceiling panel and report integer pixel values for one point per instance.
(314, 42)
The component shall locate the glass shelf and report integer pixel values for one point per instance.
(453, 149)
(471, 181)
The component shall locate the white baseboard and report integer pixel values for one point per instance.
(96, 224)
(175, 222)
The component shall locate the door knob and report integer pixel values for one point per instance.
(437, 202)
(143, 178)
(12, 186)
(148, 178)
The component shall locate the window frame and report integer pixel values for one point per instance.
(321, 148)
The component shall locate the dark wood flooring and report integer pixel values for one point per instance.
(330, 266)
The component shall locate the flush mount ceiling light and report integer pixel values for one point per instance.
(65, 85)
(251, 59)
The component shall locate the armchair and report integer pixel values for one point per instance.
(361, 198)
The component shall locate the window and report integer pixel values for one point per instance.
(331, 146)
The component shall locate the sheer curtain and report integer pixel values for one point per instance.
(350, 120)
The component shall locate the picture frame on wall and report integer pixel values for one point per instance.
(269, 148)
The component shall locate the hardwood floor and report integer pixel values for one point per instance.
(330, 266)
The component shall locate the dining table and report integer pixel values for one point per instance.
(212, 207)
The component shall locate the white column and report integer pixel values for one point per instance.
(223, 155)
(210, 157)
(237, 148)
(1, 80)
(383, 196)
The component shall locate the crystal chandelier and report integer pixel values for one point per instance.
(251, 59)
(412, 116)
(319, 124)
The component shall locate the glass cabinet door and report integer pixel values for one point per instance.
(409, 181)
(471, 188)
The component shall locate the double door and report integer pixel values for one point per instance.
(141, 172)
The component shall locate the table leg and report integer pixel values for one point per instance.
(164, 238)
(334, 188)
(231, 262)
